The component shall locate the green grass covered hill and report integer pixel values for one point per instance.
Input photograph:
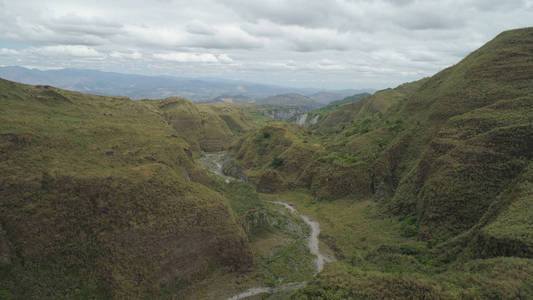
(423, 191)
(207, 127)
(449, 157)
(99, 196)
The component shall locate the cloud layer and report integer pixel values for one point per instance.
(318, 43)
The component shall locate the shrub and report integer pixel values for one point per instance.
(277, 162)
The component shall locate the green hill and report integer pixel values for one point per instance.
(423, 191)
(207, 127)
(296, 100)
(346, 100)
(465, 121)
(99, 195)
(450, 156)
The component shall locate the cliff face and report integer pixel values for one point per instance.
(98, 199)
(281, 113)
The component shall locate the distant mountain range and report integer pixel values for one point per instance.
(291, 99)
(324, 97)
(141, 86)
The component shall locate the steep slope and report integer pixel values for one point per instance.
(336, 119)
(207, 127)
(332, 159)
(450, 155)
(312, 117)
(99, 199)
(466, 126)
(276, 156)
(286, 106)
(473, 121)
(346, 100)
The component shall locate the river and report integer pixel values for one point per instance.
(213, 162)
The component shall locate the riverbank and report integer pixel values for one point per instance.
(282, 262)
(313, 244)
(284, 243)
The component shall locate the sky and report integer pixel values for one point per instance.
(330, 44)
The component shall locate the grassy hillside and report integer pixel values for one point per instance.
(339, 117)
(346, 100)
(422, 191)
(206, 127)
(449, 156)
(99, 196)
(456, 127)
(295, 100)
(277, 155)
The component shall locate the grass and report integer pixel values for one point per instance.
(278, 241)
(207, 127)
(446, 160)
(352, 228)
(443, 148)
(277, 238)
(376, 260)
(422, 191)
(97, 193)
(286, 257)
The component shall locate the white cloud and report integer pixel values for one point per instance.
(184, 57)
(330, 65)
(198, 27)
(224, 58)
(126, 55)
(376, 43)
(5, 51)
(67, 50)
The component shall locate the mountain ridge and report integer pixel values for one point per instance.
(449, 155)
(101, 196)
(422, 190)
(142, 86)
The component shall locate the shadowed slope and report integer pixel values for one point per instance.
(97, 199)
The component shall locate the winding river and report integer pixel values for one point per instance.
(213, 162)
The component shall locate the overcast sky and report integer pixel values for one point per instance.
(301, 43)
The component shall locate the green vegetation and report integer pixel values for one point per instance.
(100, 198)
(421, 191)
(282, 248)
(335, 105)
(354, 98)
(207, 127)
(277, 162)
(378, 261)
(278, 242)
(446, 159)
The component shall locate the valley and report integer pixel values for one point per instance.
(213, 162)
(422, 191)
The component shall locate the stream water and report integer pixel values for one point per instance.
(213, 162)
(312, 243)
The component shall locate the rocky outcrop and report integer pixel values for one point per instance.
(230, 168)
(306, 120)
(282, 113)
